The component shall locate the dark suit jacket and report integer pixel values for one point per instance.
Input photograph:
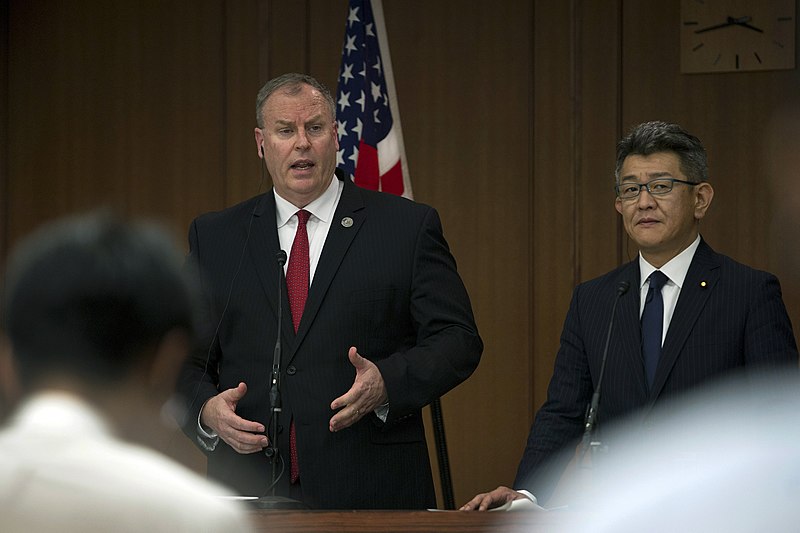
(728, 316)
(387, 285)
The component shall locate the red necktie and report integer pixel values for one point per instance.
(297, 275)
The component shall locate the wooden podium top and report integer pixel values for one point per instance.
(276, 521)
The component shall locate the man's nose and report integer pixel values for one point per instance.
(302, 142)
(645, 199)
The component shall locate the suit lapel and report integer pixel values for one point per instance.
(263, 252)
(340, 236)
(700, 281)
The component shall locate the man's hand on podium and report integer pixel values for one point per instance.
(489, 500)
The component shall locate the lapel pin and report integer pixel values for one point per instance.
(347, 222)
(703, 283)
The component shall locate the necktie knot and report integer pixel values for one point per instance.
(302, 217)
(657, 280)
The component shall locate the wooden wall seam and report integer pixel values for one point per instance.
(4, 117)
(224, 115)
(620, 233)
(575, 124)
(531, 367)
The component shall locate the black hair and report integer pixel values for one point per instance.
(86, 297)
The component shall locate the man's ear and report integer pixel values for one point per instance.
(259, 136)
(703, 194)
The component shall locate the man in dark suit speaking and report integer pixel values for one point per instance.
(688, 314)
(376, 323)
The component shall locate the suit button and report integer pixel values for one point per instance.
(291, 370)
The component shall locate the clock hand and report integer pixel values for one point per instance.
(749, 27)
(731, 21)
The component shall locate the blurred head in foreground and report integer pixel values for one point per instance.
(98, 317)
(725, 458)
(92, 303)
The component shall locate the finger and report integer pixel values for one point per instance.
(345, 418)
(235, 394)
(345, 399)
(355, 358)
(243, 441)
(245, 448)
(486, 503)
(237, 423)
(473, 503)
(337, 423)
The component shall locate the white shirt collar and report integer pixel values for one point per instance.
(322, 208)
(675, 269)
(58, 412)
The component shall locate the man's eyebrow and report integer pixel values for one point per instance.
(651, 175)
(313, 120)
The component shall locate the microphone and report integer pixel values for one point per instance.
(271, 451)
(275, 392)
(590, 421)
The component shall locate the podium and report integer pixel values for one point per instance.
(406, 521)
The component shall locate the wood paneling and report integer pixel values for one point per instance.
(510, 110)
(554, 183)
(115, 104)
(464, 98)
(244, 61)
(3, 134)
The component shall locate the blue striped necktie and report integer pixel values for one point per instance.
(652, 324)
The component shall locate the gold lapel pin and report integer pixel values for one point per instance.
(703, 283)
(347, 222)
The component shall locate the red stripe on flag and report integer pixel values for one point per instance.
(367, 169)
(392, 181)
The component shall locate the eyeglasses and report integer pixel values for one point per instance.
(656, 187)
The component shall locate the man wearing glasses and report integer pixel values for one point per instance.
(684, 314)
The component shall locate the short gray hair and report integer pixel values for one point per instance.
(653, 137)
(292, 83)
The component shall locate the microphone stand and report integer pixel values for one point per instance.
(271, 451)
(589, 442)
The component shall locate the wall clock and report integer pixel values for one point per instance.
(737, 35)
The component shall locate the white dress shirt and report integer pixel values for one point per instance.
(322, 210)
(62, 469)
(675, 269)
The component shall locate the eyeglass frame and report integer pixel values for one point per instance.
(647, 186)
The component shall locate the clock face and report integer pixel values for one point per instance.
(737, 35)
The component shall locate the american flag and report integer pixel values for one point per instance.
(370, 137)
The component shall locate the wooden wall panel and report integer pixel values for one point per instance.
(597, 68)
(244, 23)
(3, 134)
(325, 39)
(554, 184)
(464, 97)
(61, 125)
(120, 105)
(287, 37)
